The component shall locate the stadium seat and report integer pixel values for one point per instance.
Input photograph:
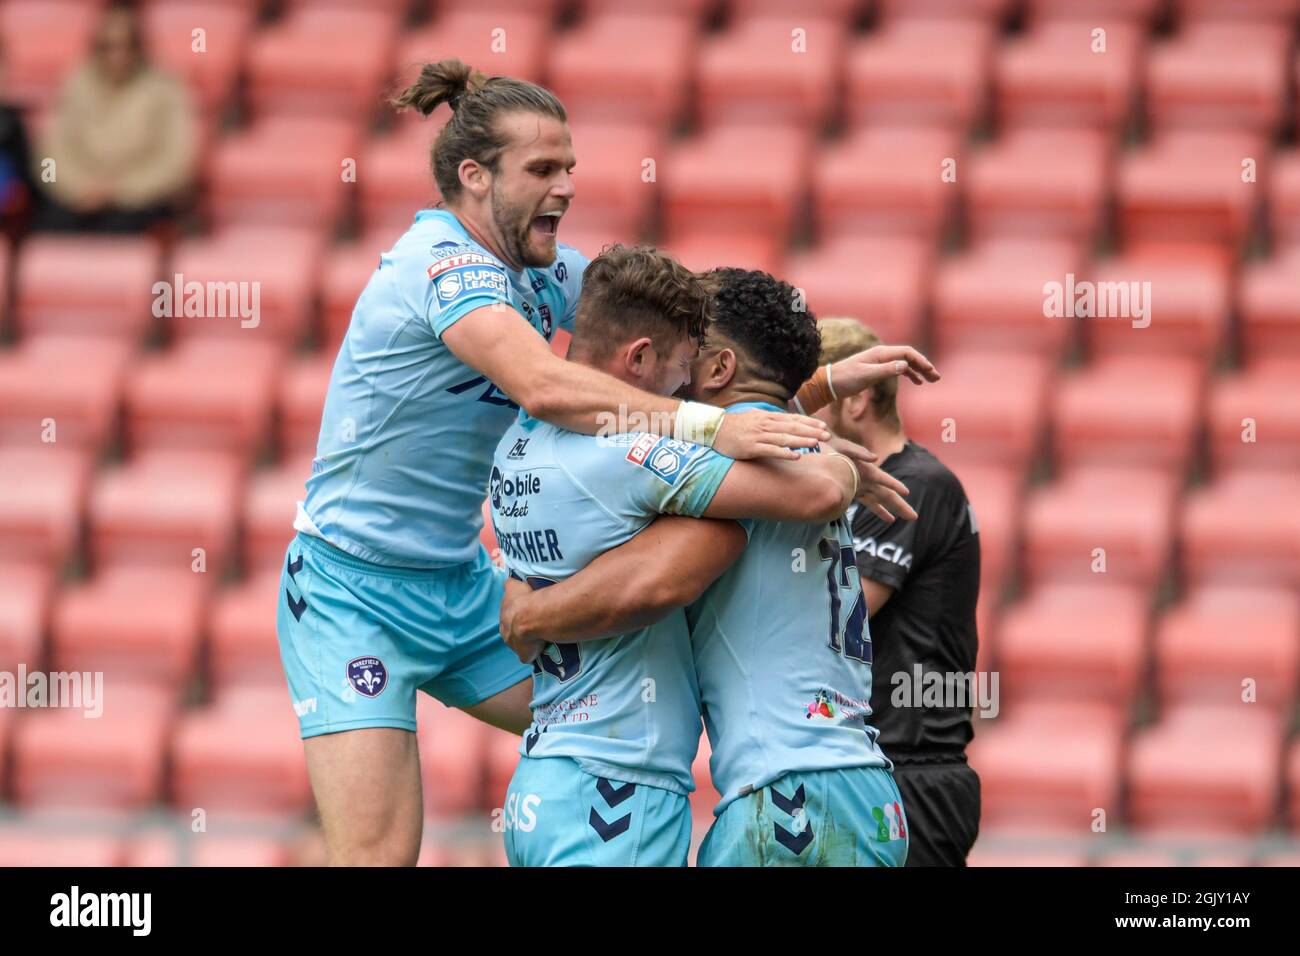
(24, 847)
(994, 495)
(625, 68)
(1184, 308)
(886, 181)
(840, 11)
(243, 755)
(1129, 410)
(772, 69)
(35, 71)
(1284, 197)
(1254, 417)
(705, 796)
(25, 597)
(1253, 10)
(43, 493)
(346, 270)
(66, 759)
(1055, 75)
(243, 649)
(86, 286)
(182, 398)
(1292, 783)
(881, 281)
(704, 251)
(614, 190)
(207, 849)
(161, 507)
(1244, 528)
(169, 31)
(1268, 306)
(285, 172)
(972, 417)
(922, 72)
(502, 756)
(300, 402)
(1140, 12)
(990, 11)
(705, 190)
(1187, 186)
(1206, 770)
(1048, 765)
(1219, 76)
(1074, 642)
(1208, 645)
(270, 506)
(1045, 183)
(144, 623)
(322, 62)
(453, 748)
(256, 283)
(993, 297)
(73, 382)
(988, 855)
(395, 178)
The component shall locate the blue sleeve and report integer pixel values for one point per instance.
(567, 270)
(458, 278)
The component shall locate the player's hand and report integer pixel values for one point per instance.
(528, 648)
(851, 375)
(759, 434)
(858, 454)
(882, 494)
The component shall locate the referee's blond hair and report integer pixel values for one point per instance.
(842, 337)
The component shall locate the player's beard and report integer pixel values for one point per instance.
(515, 224)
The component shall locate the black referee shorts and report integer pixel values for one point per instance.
(941, 803)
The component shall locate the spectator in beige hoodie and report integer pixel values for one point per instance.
(122, 138)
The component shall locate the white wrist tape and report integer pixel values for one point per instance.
(698, 423)
(830, 386)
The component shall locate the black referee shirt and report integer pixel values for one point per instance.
(933, 565)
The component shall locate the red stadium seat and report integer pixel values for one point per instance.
(1206, 770)
(453, 750)
(1039, 183)
(1292, 776)
(624, 68)
(210, 70)
(207, 849)
(705, 796)
(928, 72)
(612, 179)
(25, 592)
(1285, 197)
(994, 297)
(772, 69)
(1129, 410)
(344, 275)
(242, 755)
(1187, 187)
(1268, 306)
(285, 171)
(243, 647)
(157, 510)
(43, 491)
(301, 401)
(1074, 642)
(1279, 10)
(256, 284)
(994, 494)
(35, 71)
(1184, 308)
(702, 251)
(839, 10)
(886, 182)
(22, 847)
(182, 398)
(86, 285)
(65, 758)
(1244, 529)
(986, 856)
(74, 381)
(1139, 11)
(269, 510)
(141, 622)
(704, 190)
(1055, 75)
(322, 62)
(972, 417)
(1254, 417)
(1101, 524)
(882, 282)
(1048, 765)
(989, 11)
(502, 756)
(395, 179)
(1208, 645)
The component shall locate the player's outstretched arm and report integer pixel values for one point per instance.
(851, 375)
(666, 566)
(497, 341)
(815, 488)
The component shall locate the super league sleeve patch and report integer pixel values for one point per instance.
(665, 458)
(461, 270)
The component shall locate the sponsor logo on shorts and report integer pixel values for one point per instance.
(890, 824)
(368, 676)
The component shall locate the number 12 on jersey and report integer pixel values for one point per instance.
(856, 641)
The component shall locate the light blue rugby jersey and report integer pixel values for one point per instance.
(783, 656)
(624, 707)
(408, 430)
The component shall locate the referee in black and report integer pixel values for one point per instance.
(921, 581)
